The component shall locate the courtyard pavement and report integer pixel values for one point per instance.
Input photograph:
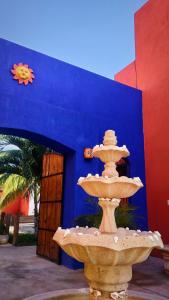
(24, 274)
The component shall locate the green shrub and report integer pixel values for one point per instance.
(24, 239)
(2, 228)
(124, 214)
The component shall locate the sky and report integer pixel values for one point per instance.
(96, 35)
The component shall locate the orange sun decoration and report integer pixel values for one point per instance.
(22, 73)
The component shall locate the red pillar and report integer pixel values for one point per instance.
(151, 75)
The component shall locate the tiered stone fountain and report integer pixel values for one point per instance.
(108, 253)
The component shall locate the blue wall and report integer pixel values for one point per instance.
(68, 108)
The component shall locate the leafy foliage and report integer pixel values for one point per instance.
(124, 215)
(20, 168)
(24, 239)
(14, 185)
(2, 228)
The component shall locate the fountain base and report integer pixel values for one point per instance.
(82, 294)
(107, 282)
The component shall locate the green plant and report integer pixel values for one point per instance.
(24, 239)
(124, 214)
(20, 169)
(2, 228)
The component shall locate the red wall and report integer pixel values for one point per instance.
(20, 205)
(128, 75)
(152, 77)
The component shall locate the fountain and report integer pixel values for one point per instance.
(108, 253)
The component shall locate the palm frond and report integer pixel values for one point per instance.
(9, 162)
(25, 162)
(11, 153)
(9, 169)
(14, 186)
(6, 140)
(3, 178)
(30, 188)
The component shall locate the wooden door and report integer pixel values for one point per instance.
(50, 205)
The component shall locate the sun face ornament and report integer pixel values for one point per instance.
(22, 73)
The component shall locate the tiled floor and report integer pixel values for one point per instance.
(23, 274)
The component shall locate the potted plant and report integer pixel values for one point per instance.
(4, 237)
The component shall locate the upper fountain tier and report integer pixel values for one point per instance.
(110, 185)
(108, 151)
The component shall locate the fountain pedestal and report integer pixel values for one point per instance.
(105, 280)
(108, 223)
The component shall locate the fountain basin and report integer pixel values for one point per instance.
(114, 187)
(107, 258)
(108, 153)
(82, 294)
(125, 247)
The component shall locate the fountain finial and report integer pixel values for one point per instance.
(110, 138)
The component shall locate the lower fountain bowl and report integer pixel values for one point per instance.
(82, 294)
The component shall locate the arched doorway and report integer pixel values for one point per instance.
(51, 195)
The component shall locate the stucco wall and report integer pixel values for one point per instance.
(20, 205)
(68, 108)
(128, 75)
(152, 72)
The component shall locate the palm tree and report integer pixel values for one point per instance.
(20, 169)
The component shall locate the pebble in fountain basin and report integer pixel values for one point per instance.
(121, 240)
(108, 253)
